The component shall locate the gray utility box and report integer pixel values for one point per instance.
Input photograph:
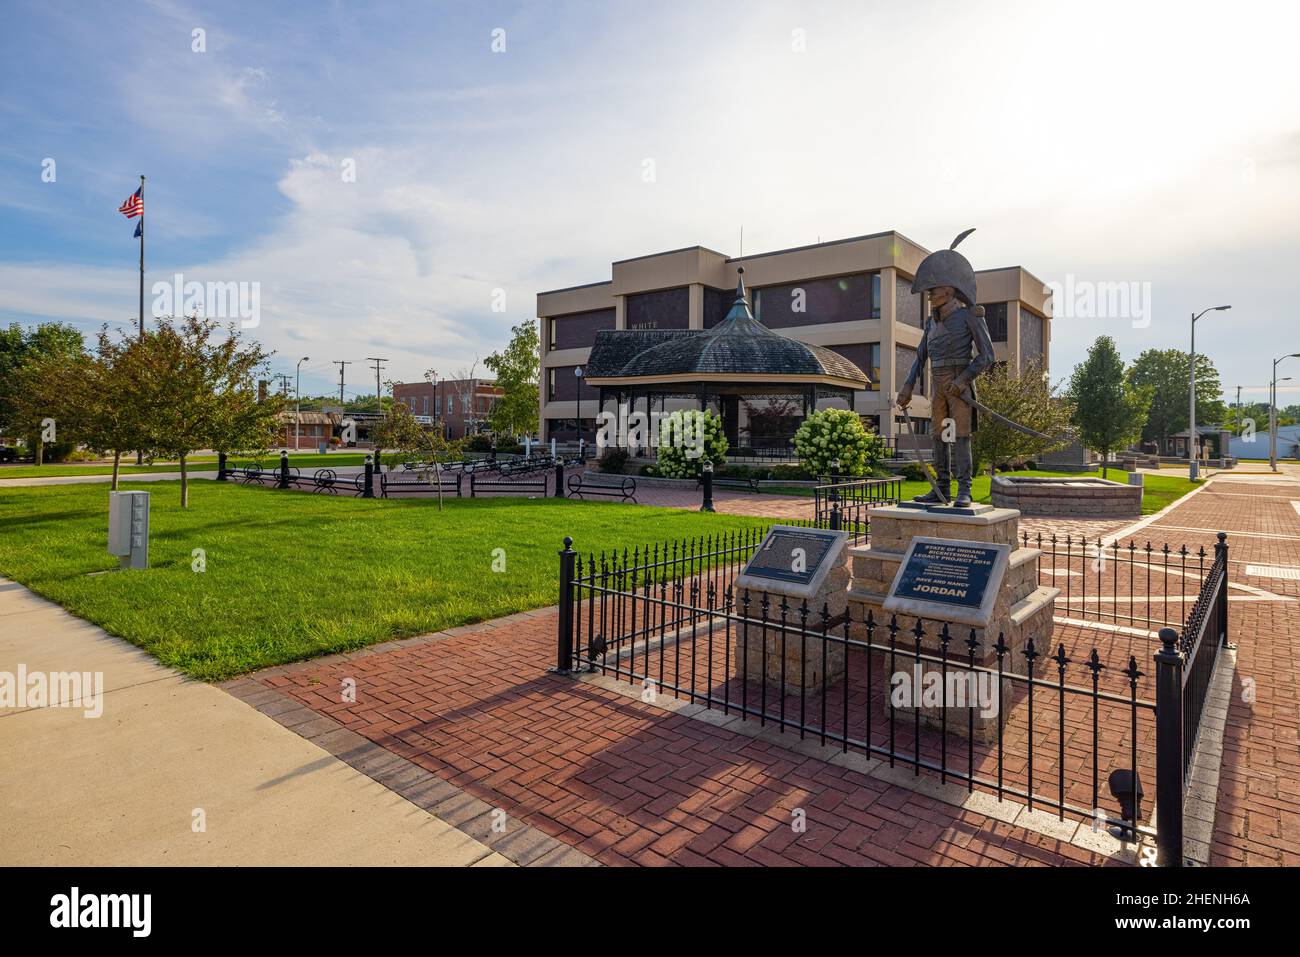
(128, 528)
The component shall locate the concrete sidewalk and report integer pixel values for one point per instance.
(123, 788)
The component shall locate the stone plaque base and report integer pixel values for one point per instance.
(754, 645)
(1022, 610)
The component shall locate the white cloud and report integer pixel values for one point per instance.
(1113, 141)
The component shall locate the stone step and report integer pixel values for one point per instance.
(1026, 607)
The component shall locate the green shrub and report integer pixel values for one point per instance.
(789, 473)
(689, 439)
(613, 461)
(913, 472)
(744, 472)
(838, 434)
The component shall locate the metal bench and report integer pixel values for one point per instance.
(395, 483)
(580, 484)
(739, 484)
(506, 485)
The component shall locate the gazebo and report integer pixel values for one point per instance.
(762, 384)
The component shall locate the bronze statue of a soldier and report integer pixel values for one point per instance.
(957, 344)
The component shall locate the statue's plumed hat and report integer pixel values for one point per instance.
(947, 267)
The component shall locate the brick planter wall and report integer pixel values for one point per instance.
(1081, 497)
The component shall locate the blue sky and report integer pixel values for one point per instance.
(1112, 142)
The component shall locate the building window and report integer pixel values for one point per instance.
(550, 385)
(866, 356)
(550, 341)
(717, 303)
(664, 309)
(578, 330)
(426, 405)
(995, 316)
(816, 301)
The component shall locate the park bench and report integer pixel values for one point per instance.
(581, 484)
(527, 466)
(739, 484)
(395, 483)
(506, 485)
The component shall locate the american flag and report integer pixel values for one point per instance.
(134, 205)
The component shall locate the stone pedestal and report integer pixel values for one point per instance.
(756, 647)
(1022, 610)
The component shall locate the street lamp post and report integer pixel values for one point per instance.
(1192, 437)
(1272, 419)
(297, 392)
(577, 372)
(1272, 411)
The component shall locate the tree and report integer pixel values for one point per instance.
(1164, 372)
(200, 392)
(1030, 400)
(52, 342)
(837, 435)
(1109, 411)
(517, 371)
(111, 400)
(409, 441)
(48, 400)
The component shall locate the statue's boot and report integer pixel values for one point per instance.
(945, 476)
(963, 466)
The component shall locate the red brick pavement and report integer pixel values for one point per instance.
(627, 782)
(1258, 815)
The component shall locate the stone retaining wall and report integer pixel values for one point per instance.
(1074, 497)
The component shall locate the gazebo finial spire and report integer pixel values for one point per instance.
(740, 282)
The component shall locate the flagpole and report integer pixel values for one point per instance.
(142, 256)
(139, 455)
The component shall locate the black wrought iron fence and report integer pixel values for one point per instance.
(1203, 635)
(1139, 585)
(1049, 728)
(846, 503)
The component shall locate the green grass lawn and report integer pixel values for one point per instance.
(202, 463)
(291, 575)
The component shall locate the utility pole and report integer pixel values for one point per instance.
(341, 364)
(284, 382)
(378, 361)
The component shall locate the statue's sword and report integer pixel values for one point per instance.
(925, 468)
(999, 417)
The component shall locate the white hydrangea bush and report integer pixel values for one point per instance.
(837, 434)
(688, 439)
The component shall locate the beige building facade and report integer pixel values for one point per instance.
(852, 296)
